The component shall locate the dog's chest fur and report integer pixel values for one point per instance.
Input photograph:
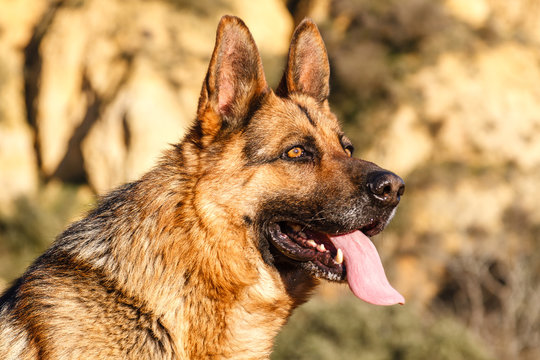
(243, 328)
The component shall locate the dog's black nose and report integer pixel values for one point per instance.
(386, 187)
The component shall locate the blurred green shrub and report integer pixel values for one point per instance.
(350, 329)
(373, 46)
(33, 223)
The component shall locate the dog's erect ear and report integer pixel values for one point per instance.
(235, 79)
(307, 70)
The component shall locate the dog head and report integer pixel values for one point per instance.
(283, 170)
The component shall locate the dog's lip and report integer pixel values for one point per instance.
(303, 243)
(328, 259)
(288, 246)
(370, 228)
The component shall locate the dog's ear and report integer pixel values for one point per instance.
(235, 80)
(307, 70)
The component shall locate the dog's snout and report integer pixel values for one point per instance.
(386, 187)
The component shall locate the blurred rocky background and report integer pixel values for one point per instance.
(444, 92)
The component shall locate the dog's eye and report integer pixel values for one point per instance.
(296, 152)
(349, 150)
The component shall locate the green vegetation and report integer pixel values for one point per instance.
(350, 329)
(28, 229)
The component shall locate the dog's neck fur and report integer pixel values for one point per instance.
(229, 299)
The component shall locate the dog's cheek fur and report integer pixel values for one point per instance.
(247, 188)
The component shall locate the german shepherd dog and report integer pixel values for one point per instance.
(207, 254)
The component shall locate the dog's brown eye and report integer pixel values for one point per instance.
(295, 152)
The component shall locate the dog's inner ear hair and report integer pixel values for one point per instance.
(307, 70)
(235, 78)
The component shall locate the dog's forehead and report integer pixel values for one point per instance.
(298, 114)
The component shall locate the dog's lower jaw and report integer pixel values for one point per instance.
(298, 282)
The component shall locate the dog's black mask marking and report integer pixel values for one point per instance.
(316, 217)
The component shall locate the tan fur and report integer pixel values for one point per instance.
(176, 265)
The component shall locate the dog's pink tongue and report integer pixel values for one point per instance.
(365, 272)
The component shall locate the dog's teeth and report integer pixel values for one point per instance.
(339, 256)
(321, 248)
(311, 243)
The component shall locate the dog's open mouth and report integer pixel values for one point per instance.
(351, 256)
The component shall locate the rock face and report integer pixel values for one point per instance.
(481, 110)
(18, 163)
(451, 103)
(109, 83)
